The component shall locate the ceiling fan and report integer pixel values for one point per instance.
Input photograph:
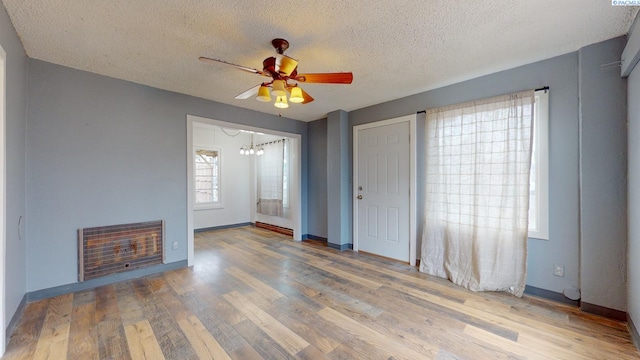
(283, 71)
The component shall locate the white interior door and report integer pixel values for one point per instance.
(382, 190)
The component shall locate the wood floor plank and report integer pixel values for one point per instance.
(262, 343)
(306, 323)
(533, 329)
(329, 295)
(289, 340)
(326, 266)
(254, 294)
(172, 341)
(256, 284)
(205, 345)
(223, 308)
(177, 283)
(83, 334)
(23, 341)
(374, 338)
(53, 343)
(491, 339)
(112, 343)
(206, 308)
(54, 338)
(417, 322)
(142, 341)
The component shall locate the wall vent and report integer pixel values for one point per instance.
(106, 250)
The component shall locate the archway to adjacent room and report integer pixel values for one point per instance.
(296, 190)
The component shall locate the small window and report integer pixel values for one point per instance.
(539, 179)
(207, 177)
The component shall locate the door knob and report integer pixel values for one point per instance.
(359, 197)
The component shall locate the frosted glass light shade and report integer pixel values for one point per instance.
(278, 88)
(296, 95)
(281, 102)
(263, 94)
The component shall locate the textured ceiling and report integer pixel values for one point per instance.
(394, 49)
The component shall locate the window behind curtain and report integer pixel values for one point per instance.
(207, 176)
(269, 176)
(539, 178)
(478, 161)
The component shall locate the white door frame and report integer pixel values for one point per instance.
(296, 206)
(411, 119)
(3, 197)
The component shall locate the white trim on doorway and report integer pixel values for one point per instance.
(296, 205)
(3, 197)
(413, 151)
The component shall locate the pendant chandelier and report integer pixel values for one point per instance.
(251, 150)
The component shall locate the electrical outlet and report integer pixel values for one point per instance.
(175, 245)
(558, 270)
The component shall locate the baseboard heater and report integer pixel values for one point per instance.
(112, 249)
(274, 228)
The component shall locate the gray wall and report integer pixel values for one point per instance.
(317, 162)
(15, 275)
(561, 75)
(603, 176)
(602, 152)
(103, 151)
(633, 254)
(338, 184)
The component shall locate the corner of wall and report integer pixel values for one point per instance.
(602, 184)
(633, 189)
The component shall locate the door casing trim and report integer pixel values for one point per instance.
(413, 151)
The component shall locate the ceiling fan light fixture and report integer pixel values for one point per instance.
(281, 102)
(296, 95)
(263, 94)
(281, 69)
(278, 88)
(286, 65)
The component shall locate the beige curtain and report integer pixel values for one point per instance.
(478, 158)
(269, 179)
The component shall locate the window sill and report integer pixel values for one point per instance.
(538, 236)
(198, 207)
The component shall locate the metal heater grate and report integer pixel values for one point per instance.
(106, 250)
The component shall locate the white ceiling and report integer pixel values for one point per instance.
(394, 48)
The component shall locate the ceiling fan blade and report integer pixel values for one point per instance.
(285, 65)
(243, 68)
(326, 78)
(249, 93)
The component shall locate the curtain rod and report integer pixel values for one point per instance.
(271, 142)
(539, 89)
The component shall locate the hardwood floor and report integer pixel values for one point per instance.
(254, 294)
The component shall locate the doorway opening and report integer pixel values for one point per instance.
(200, 132)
